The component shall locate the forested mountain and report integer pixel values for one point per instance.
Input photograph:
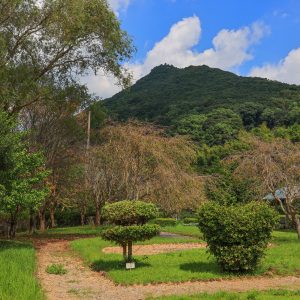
(168, 93)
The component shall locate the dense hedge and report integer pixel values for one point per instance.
(133, 233)
(129, 212)
(165, 221)
(190, 220)
(237, 235)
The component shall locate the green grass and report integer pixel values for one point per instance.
(188, 230)
(56, 269)
(17, 268)
(253, 295)
(64, 232)
(196, 264)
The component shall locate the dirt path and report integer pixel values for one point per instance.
(82, 283)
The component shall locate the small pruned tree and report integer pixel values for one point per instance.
(130, 218)
(237, 235)
(273, 165)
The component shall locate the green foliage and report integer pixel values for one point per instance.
(133, 233)
(221, 126)
(129, 212)
(165, 221)
(237, 235)
(215, 128)
(78, 36)
(169, 93)
(56, 269)
(21, 174)
(131, 218)
(190, 220)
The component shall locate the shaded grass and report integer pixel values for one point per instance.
(65, 232)
(17, 268)
(253, 295)
(188, 230)
(195, 264)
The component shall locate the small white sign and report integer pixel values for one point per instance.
(130, 266)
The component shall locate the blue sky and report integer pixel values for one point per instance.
(251, 38)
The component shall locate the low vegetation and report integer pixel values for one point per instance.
(186, 265)
(17, 276)
(237, 235)
(56, 269)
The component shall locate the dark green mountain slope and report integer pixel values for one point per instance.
(168, 93)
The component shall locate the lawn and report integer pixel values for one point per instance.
(253, 295)
(188, 230)
(64, 232)
(196, 264)
(17, 275)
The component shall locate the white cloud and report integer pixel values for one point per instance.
(286, 70)
(231, 48)
(118, 5)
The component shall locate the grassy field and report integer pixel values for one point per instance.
(254, 295)
(196, 264)
(17, 268)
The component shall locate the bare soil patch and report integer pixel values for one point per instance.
(156, 248)
(81, 282)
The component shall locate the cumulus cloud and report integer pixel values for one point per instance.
(230, 48)
(286, 70)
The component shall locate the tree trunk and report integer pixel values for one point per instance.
(297, 224)
(97, 216)
(32, 222)
(129, 252)
(82, 218)
(52, 218)
(12, 227)
(42, 219)
(124, 246)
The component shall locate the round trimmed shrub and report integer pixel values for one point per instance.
(237, 235)
(165, 222)
(129, 212)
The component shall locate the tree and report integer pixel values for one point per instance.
(22, 174)
(131, 218)
(135, 161)
(56, 130)
(273, 165)
(191, 125)
(59, 40)
(221, 126)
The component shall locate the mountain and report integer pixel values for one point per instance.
(168, 93)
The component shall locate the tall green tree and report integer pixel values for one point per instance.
(56, 39)
(22, 174)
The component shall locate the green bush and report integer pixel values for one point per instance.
(165, 222)
(57, 269)
(133, 233)
(190, 221)
(237, 235)
(129, 212)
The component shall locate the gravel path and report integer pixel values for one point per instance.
(82, 283)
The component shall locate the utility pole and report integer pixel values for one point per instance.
(88, 132)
